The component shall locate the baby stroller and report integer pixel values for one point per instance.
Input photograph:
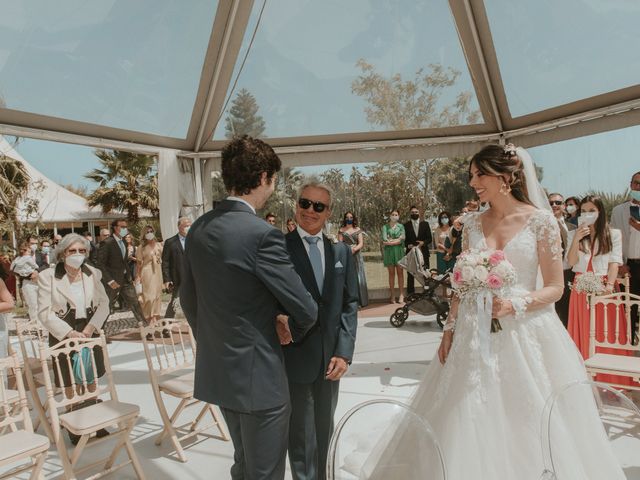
(432, 300)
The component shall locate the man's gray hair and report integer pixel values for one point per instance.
(314, 182)
(182, 220)
(68, 240)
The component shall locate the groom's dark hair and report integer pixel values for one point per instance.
(244, 159)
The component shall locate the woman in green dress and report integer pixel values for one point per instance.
(393, 251)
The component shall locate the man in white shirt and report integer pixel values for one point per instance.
(417, 234)
(626, 218)
(172, 263)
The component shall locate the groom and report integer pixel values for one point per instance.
(237, 278)
(316, 363)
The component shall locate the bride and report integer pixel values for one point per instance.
(485, 402)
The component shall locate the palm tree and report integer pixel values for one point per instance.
(126, 182)
(14, 184)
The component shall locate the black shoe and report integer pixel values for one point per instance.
(166, 333)
(102, 433)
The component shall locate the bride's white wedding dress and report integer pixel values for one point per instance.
(487, 415)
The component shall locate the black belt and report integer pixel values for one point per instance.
(633, 260)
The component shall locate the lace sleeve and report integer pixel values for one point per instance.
(547, 233)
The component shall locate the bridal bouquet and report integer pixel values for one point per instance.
(483, 273)
(588, 283)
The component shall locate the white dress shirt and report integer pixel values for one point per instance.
(600, 262)
(416, 225)
(630, 236)
(238, 199)
(320, 243)
(182, 240)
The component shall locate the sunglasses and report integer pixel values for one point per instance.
(77, 250)
(318, 207)
(556, 202)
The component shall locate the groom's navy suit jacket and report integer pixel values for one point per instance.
(335, 332)
(237, 278)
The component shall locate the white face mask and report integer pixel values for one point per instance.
(571, 209)
(75, 260)
(186, 230)
(394, 218)
(33, 247)
(588, 218)
(150, 236)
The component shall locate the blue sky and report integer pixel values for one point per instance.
(80, 60)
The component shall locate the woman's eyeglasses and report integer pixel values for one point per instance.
(318, 207)
(72, 251)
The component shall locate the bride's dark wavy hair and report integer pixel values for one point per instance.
(602, 232)
(495, 161)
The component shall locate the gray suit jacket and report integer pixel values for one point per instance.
(237, 278)
(335, 332)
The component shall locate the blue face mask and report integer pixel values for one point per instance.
(45, 249)
(444, 220)
(635, 194)
(349, 221)
(123, 232)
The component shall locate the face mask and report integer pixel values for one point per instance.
(186, 230)
(123, 232)
(394, 218)
(415, 216)
(635, 194)
(444, 220)
(588, 218)
(150, 236)
(571, 209)
(75, 260)
(45, 249)
(33, 247)
(349, 221)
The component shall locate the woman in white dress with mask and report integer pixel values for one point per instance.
(484, 393)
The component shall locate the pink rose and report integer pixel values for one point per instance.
(494, 281)
(457, 276)
(496, 257)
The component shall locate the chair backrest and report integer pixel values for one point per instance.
(384, 439)
(589, 427)
(75, 368)
(9, 414)
(615, 309)
(171, 354)
(30, 336)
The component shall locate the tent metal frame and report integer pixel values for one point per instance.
(609, 111)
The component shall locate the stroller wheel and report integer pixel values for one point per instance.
(441, 318)
(398, 317)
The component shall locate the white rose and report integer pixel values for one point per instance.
(501, 269)
(473, 259)
(481, 273)
(467, 273)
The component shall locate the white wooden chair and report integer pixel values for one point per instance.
(30, 336)
(607, 363)
(18, 444)
(171, 363)
(86, 421)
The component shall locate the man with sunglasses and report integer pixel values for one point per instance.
(316, 363)
(237, 278)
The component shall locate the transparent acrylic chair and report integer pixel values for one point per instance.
(384, 439)
(574, 440)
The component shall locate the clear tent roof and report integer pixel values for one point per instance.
(161, 73)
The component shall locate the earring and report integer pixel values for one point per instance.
(505, 189)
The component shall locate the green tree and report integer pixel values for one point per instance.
(127, 182)
(397, 104)
(451, 184)
(243, 118)
(14, 185)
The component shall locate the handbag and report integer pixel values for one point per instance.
(86, 364)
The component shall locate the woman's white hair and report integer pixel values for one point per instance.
(68, 240)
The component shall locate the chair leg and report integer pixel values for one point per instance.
(134, 458)
(42, 416)
(36, 473)
(219, 423)
(169, 421)
(69, 474)
(198, 419)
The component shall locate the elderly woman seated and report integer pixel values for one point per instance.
(72, 303)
